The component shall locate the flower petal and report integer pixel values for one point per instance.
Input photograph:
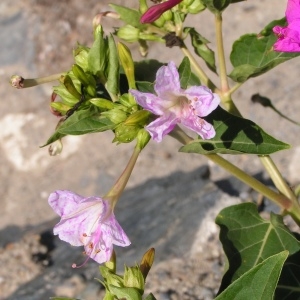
(200, 126)
(64, 202)
(162, 126)
(202, 100)
(149, 102)
(293, 10)
(167, 81)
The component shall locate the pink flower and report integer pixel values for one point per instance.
(289, 37)
(154, 12)
(87, 222)
(174, 105)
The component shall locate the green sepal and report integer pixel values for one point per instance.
(234, 135)
(133, 277)
(81, 56)
(126, 293)
(126, 133)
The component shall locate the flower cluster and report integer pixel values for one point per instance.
(175, 105)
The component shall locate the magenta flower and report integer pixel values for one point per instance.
(154, 12)
(289, 37)
(87, 222)
(174, 105)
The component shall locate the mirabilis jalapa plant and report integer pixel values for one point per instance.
(103, 91)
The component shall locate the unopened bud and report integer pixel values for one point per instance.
(55, 148)
(134, 278)
(147, 262)
(115, 115)
(127, 64)
(139, 117)
(128, 33)
(125, 134)
(143, 138)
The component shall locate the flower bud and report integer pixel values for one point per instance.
(125, 133)
(128, 33)
(147, 262)
(133, 277)
(139, 117)
(81, 56)
(115, 115)
(143, 138)
(102, 103)
(194, 7)
(127, 64)
(127, 100)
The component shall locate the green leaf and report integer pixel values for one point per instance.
(126, 293)
(81, 122)
(252, 54)
(201, 49)
(128, 15)
(112, 84)
(97, 56)
(234, 135)
(288, 285)
(248, 239)
(145, 86)
(216, 6)
(150, 297)
(259, 282)
(184, 71)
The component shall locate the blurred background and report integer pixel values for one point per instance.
(37, 38)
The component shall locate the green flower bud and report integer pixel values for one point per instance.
(111, 264)
(167, 15)
(127, 64)
(139, 117)
(81, 56)
(69, 85)
(134, 278)
(102, 103)
(195, 7)
(115, 115)
(143, 138)
(128, 33)
(110, 277)
(143, 6)
(125, 133)
(127, 100)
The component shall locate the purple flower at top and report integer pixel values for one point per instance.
(289, 36)
(87, 222)
(175, 106)
(154, 12)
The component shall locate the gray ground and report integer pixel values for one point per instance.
(37, 37)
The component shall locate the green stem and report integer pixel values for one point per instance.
(221, 54)
(116, 191)
(279, 199)
(276, 176)
(203, 77)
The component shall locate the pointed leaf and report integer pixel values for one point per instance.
(259, 282)
(128, 15)
(288, 286)
(248, 239)
(112, 84)
(201, 49)
(252, 54)
(97, 56)
(234, 135)
(184, 71)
